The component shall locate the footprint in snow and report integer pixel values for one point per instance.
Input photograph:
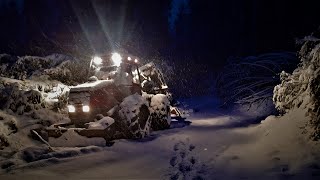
(184, 164)
(173, 161)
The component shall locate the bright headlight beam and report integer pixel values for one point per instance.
(136, 60)
(97, 60)
(71, 108)
(129, 58)
(85, 108)
(116, 58)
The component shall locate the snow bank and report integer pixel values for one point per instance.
(72, 139)
(27, 67)
(53, 67)
(57, 59)
(15, 130)
(4, 132)
(277, 148)
(32, 154)
(280, 145)
(27, 105)
(28, 96)
(10, 142)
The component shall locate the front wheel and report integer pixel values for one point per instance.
(135, 115)
(160, 112)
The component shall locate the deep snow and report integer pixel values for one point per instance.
(212, 144)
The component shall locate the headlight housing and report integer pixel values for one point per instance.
(85, 108)
(71, 108)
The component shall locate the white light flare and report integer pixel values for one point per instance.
(71, 108)
(85, 108)
(116, 58)
(97, 60)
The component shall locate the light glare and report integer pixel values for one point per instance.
(116, 58)
(97, 60)
(71, 108)
(85, 108)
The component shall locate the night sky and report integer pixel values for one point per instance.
(203, 31)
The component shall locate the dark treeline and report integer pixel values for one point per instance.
(208, 31)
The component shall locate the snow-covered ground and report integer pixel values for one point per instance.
(212, 144)
(241, 143)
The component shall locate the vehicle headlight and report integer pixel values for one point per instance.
(85, 108)
(97, 60)
(116, 58)
(71, 108)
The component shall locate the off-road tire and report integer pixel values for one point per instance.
(160, 112)
(134, 115)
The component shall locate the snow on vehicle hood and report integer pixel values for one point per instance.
(101, 124)
(90, 86)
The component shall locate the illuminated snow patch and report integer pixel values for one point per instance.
(216, 121)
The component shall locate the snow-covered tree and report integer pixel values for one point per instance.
(301, 89)
(252, 79)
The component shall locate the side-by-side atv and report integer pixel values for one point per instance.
(124, 101)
